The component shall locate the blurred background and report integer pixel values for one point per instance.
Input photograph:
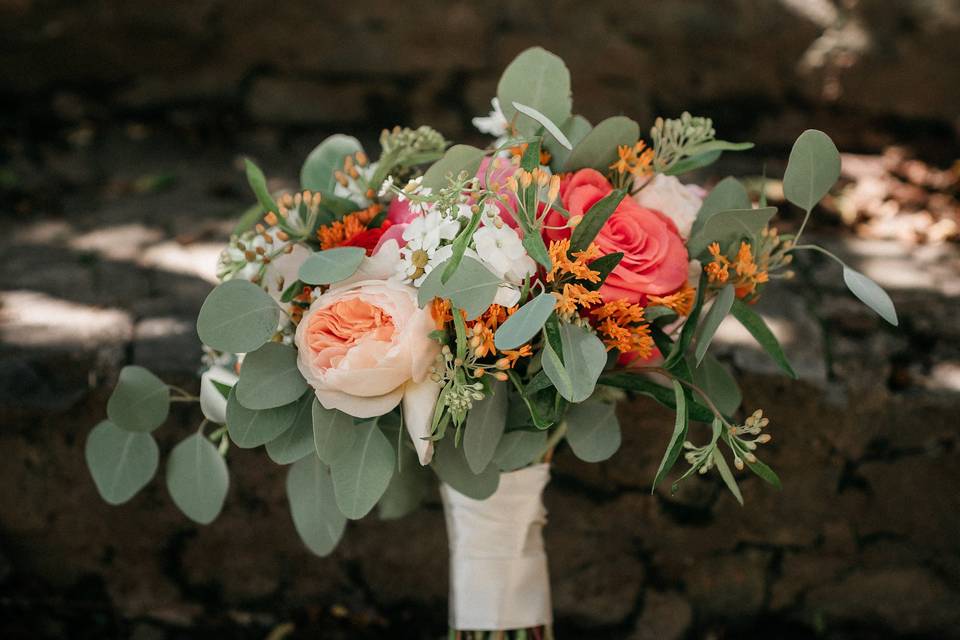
(122, 129)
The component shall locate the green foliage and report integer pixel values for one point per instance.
(471, 287)
(121, 462)
(711, 322)
(518, 449)
(333, 433)
(237, 317)
(484, 427)
(594, 219)
(643, 386)
(728, 227)
(361, 475)
(538, 79)
(258, 183)
(675, 446)
(331, 265)
(451, 467)
(727, 475)
(525, 323)
(140, 401)
(317, 173)
(676, 354)
(870, 294)
(813, 168)
(197, 478)
(458, 158)
(297, 441)
(547, 124)
(575, 129)
(312, 505)
(721, 387)
(575, 373)
(593, 430)
(249, 428)
(696, 162)
(755, 325)
(407, 489)
(270, 377)
(728, 195)
(598, 149)
(460, 245)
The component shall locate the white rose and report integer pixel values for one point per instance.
(677, 201)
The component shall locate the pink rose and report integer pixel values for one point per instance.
(654, 256)
(364, 348)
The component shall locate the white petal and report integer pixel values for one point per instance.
(419, 402)
(212, 403)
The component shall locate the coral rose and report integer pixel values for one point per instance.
(654, 255)
(364, 348)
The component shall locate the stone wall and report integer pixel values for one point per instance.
(763, 64)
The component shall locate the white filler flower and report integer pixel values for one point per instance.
(425, 249)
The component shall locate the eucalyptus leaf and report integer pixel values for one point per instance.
(331, 265)
(313, 507)
(457, 159)
(249, 428)
(270, 377)
(333, 433)
(547, 123)
(525, 323)
(675, 446)
(472, 287)
(719, 385)
(197, 478)
(451, 466)
(538, 79)
(258, 183)
(593, 430)
(408, 487)
(517, 449)
(318, 171)
(237, 317)
(726, 227)
(484, 427)
(297, 441)
(728, 195)
(813, 167)
(871, 294)
(717, 145)
(361, 475)
(584, 357)
(711, 322)
(121, 462)
(598, 149)
(575, 129)
(140, 401)
(755, 325)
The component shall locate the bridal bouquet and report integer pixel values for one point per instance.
(467, 311)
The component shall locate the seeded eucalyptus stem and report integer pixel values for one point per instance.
(552, 442)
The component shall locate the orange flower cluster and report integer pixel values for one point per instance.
(481, 331)
(577, 267)
(747, 274)
(340, 232)
(680, 302)
(621, 326)
(575, 296)
(637, 159)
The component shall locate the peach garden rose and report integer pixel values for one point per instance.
(364, 348)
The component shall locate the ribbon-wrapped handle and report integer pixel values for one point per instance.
(498, 567)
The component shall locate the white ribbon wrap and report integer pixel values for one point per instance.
(498, 568)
